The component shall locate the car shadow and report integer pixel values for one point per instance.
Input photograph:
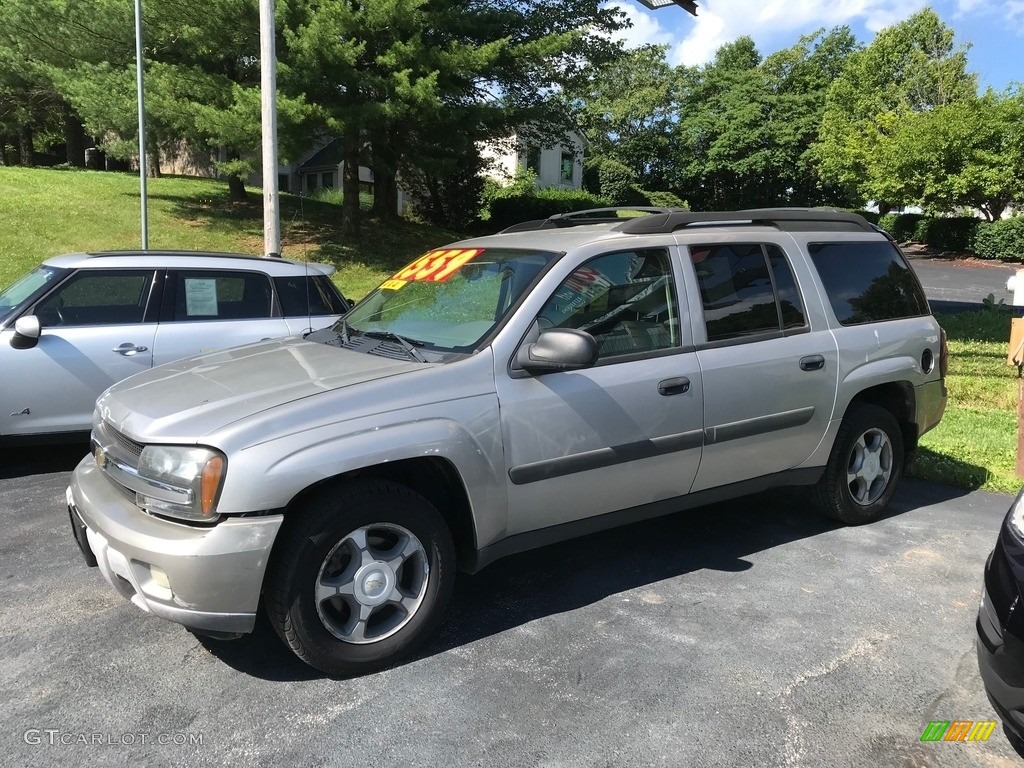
(26, 460)
(564, 577)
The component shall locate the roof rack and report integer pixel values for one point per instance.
(589, 216)
(786, 219)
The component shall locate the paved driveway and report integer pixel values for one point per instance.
(953, 285)
(744, 634)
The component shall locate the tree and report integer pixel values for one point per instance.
(966, 153)
(910, 67)
(627, 111)
(389, 75)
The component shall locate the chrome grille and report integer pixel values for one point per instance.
(126, 444)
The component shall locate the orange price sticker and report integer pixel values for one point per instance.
(437, 266)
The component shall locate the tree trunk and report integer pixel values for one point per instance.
(26, 152)
(385, 183)
(236, 190)
(74, 138)
(883, 208)
(350, 183)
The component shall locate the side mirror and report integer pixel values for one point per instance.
(558, 349)
(26, 332)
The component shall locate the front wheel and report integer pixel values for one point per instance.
(864, 468)
(361, 577)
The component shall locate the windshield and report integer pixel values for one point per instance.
(448, 299)
(27, 289)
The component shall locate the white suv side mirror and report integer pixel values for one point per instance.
(26, 332)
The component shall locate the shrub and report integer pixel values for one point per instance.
(510, 207)
(665, 200)
(887, 221)
(871, 216)
(1003, 239)
(903, 226)
(946, 232)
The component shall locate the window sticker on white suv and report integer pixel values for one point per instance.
(200, 296)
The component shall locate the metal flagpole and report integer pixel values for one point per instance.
(142, 124)
(268, 100)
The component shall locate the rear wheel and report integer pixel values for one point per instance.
(361, 577)
(864, 468)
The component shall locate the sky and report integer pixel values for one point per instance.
(994, 29)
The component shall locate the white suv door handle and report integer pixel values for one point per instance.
(128, 349)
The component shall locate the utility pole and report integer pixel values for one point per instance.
(268, 101)
(142, 124)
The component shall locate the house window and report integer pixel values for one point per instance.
(533, 159)
(282, 182)
(568, 163)
(311, 183)
(327, 180)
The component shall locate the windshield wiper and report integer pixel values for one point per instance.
(403, 342)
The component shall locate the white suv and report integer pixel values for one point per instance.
(78, 323)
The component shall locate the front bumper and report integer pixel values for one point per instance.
(1000, 627)
(206, 578)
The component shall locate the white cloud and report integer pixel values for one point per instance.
(646, 29)
(694, 40)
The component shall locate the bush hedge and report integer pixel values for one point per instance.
(510, 206)
(900, 225)
(1003, 239)
(947, 233)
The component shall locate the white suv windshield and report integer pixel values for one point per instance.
(26, 288)
(449, 299)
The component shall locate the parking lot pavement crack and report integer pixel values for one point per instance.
(963, 682)
(795, 747)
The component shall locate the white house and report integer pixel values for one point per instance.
(556, 166)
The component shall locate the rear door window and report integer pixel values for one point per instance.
(746, 289)
(221, 295)
(868, 281)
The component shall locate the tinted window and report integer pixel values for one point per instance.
(212, 295)
(791, 306)
(312, 295)
(97, 297)
(868, 281)
(745, 290)
(625, 300)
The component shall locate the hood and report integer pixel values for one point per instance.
(184, 400)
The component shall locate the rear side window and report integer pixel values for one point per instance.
(746, 290)
(308, 295)
(868, 281)
(213, 295)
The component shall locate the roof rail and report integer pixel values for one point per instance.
(607, 215)
(786, 219)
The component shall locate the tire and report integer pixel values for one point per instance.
(864, 468)
(388, 556)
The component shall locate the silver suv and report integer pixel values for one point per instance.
(504, 393)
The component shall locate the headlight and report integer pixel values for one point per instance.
(185, 481)
(1016, 516)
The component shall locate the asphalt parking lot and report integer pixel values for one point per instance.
(748, 633)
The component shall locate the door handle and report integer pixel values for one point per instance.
(128, 349)
(812, 363)
(677, 386)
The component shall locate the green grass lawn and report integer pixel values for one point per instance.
(975, 446)
(44, 212)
